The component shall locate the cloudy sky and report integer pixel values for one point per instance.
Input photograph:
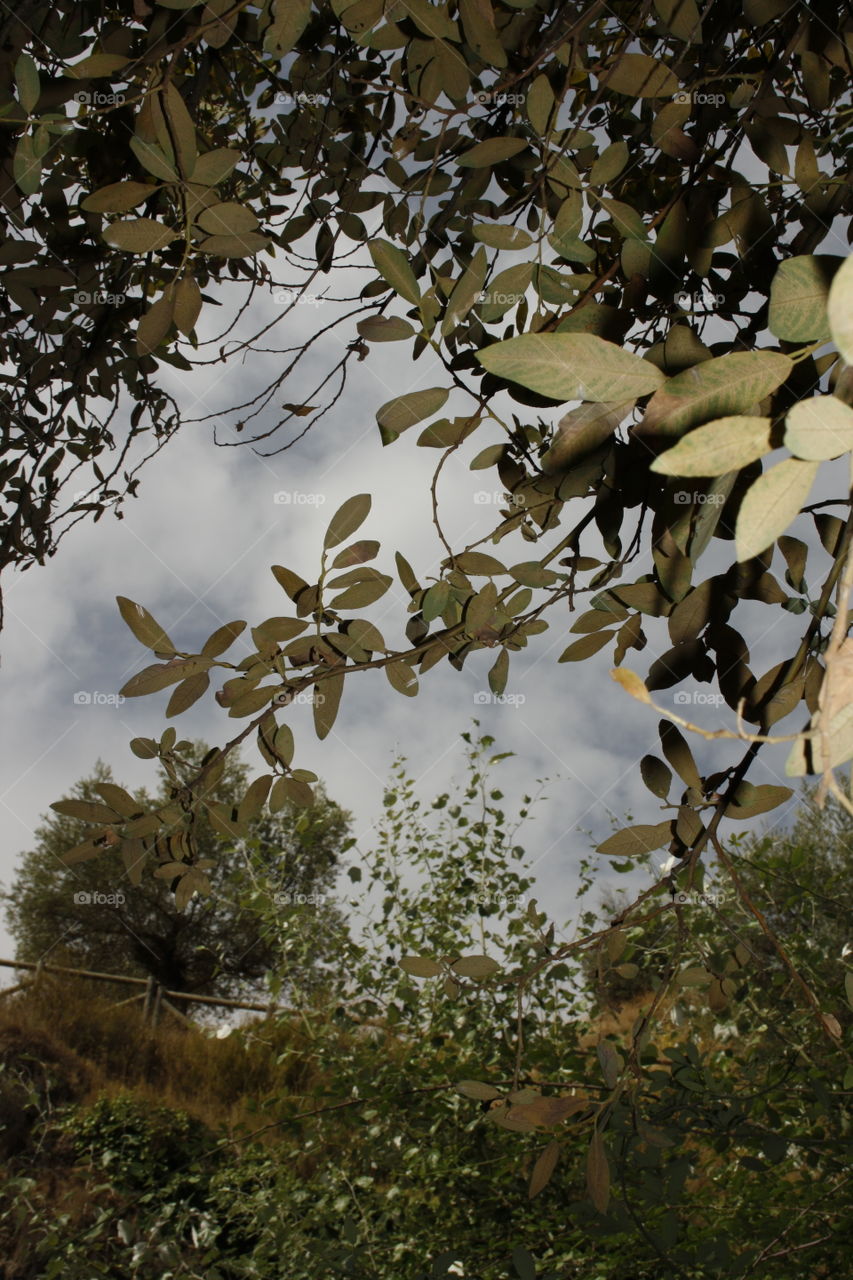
(195, 549)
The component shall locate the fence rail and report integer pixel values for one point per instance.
(154, 996)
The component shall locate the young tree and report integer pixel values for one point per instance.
(112, 916)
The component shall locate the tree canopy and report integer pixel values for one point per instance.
(251, 926)
(618, 232)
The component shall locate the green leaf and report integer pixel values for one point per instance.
(479, 27)
(636, 841)
(609, 164)
(346, 520)
(402, 678)
(215, 166)
(499, 673)
(580, 432)
(639, 76)
(750, 800)
(363, 593)
(681, 18)
(474, 1089)
(227, 218)
(732, 384)
(28, 83)
(26, 166)
(188, 692)
(326, 701)
(478, 564)
(87, 811)
(571, 366)
(146, 629)
(397, 415)
(656, 776)
(819, 428)
(586, 646)
(770, 504)
(385, 329)
(393, 265)
(798, 298)
(501, 236)
(727, 444)
(139, 235)
(839, 310)
(144, 748)
(289, 20)
(161, 674)
(118, 197)
(466, 292)
(96, 66)
(243, 245)
(475, 967)
(420, 966)
(540, 1176)
(490, 152)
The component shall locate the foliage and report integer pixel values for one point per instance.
(397, 1152)
(611, 216)
(112, 917)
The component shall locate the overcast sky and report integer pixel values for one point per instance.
(195, 549)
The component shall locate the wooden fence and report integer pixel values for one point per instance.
(155, 997)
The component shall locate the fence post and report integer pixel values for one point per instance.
(155, 1012)
(149, 993)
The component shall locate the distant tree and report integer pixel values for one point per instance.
(102, 914)
(798, 879)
